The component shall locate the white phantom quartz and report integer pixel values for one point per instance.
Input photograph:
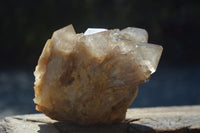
(93, 77)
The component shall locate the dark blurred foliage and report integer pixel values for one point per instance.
(25, 25)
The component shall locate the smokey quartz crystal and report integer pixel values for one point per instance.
(93, 77)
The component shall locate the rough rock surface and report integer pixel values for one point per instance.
(184, 119)
(92, 78)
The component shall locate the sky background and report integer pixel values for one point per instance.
(175, 24)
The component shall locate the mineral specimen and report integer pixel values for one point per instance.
(92, 78)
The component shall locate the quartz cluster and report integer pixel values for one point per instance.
(93, 77)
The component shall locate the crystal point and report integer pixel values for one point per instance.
(149, 55)
(92, 78)
(135, 34)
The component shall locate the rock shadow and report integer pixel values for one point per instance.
(66, 127)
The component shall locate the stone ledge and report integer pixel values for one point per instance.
(182, 119)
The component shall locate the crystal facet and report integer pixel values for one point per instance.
(92, 78)
(90, 31)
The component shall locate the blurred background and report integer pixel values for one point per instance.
(175, 24)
